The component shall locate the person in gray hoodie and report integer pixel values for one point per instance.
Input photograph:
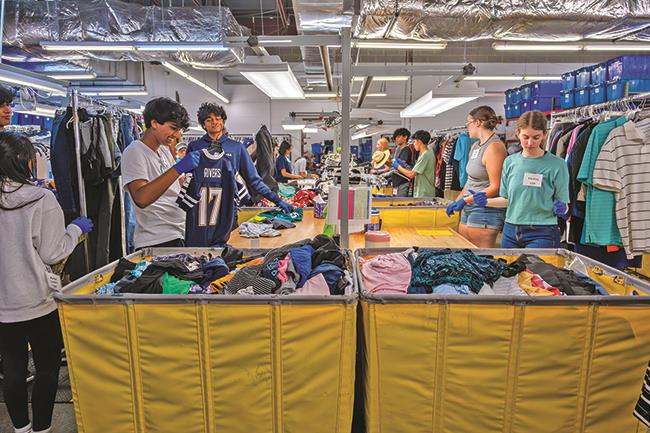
(33, 236)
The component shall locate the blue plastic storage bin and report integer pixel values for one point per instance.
(569, 80)
(629, 67)
(515, 110)
(616, 89)
(545, 103)
(511, 96)
(524, 106)
(597, 93)
(583, 77)
(599, 73)
(525, 92)
(545, 89)
(568, 99)
(582, 97)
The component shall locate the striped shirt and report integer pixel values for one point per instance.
(642, 408)
(623, 166)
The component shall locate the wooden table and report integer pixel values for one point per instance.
(400, 236)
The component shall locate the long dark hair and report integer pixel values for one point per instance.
(284, 147)
(16, 152)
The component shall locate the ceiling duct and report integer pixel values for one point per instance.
(28, 23)
(550, 20)
(451, 20)
(315, 17)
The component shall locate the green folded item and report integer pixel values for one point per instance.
(285, 190)
(175, 286)
(294, 216)
(257, 219)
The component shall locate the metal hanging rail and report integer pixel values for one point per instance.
(438, 132)
(623, 104)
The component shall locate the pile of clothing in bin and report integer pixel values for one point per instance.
(268, 223)
(461, 272)
(308, 267)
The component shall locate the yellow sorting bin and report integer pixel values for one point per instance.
(465, 364)
(208, 363)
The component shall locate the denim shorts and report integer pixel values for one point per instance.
(483, 217)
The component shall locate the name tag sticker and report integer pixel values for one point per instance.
(533, 179)
(475, 153)
(53, 281)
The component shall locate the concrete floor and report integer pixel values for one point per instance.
(62, 419)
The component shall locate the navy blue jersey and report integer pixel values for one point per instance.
(208, 196)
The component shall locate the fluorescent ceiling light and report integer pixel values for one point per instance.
(616, 47)
(293, 126)
(376, 95)
(272, 76)
(199, 83)
(361, 134)
(77, 76)
(113, 91)
(309, 130)
(20, 77)
(387, 78)
(542, 78)
(87, 46)
(398, 45)
(493, 78)
(510, 46)
(263, 41)
(38, 110)
(364, 126)
(432, 104)
(324, 95)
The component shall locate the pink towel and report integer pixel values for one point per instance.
(388, 273)
(316, 285)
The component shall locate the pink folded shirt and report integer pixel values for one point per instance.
(388, 273)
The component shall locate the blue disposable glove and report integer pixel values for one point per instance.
(84, 224)
(286, 207)
(480, 198)
(560, 209)
(188, 163)
(396, 163)
(456, 206)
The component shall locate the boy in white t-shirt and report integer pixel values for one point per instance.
(150, 174)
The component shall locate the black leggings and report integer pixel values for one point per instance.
(44, 336)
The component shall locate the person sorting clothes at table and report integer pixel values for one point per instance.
(481, 225)
(534, 188)
(424, 171)
(381, 158)
(283, 169)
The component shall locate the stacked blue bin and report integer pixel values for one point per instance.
(627, 74)
(568, 90)
(365, 154)
(513, 97)
(583, 86)
(545, 95)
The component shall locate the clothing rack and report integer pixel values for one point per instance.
(439, 132)
(74, 96)
(594, 110)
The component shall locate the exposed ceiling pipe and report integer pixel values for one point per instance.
(327, 67)
(364, 91)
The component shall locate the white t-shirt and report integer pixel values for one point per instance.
(163, 220)
(300, 166)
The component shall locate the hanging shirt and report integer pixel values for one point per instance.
(208, 198)
(425, 180)
(162, 220)
(282, 162)
(461, 154)
(241, 163)
(531, 185)
(600, 207)
(622, 167)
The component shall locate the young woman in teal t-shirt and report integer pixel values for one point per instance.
(534, 188)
